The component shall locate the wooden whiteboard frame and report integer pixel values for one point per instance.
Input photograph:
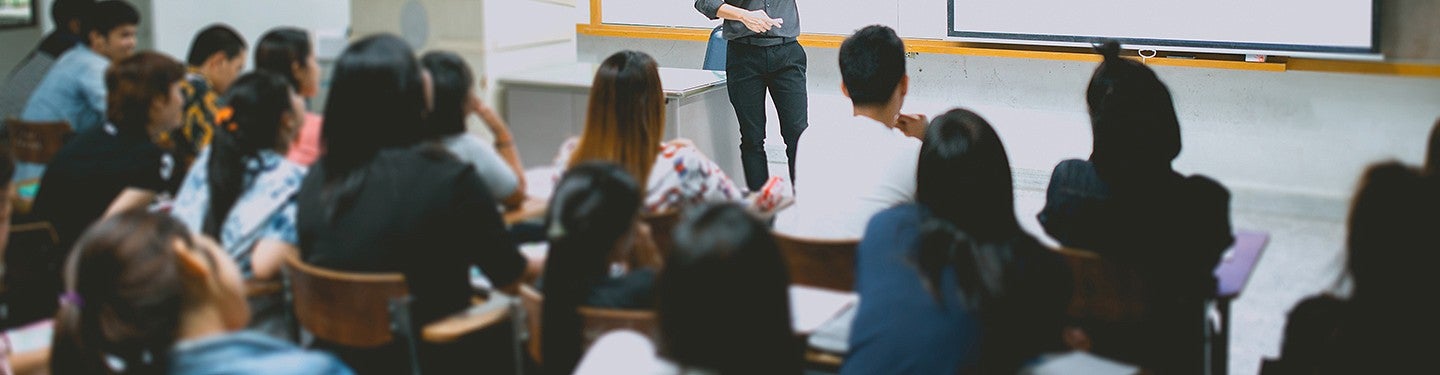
(1424, 70)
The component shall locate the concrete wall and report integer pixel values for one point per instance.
(1291, 143)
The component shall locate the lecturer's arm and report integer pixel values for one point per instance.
(755, 20)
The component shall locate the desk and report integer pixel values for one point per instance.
(544, 107)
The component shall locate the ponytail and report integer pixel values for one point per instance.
(258, 104)
(942, 246)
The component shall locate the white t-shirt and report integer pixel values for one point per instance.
(846, 172)
(628, 352)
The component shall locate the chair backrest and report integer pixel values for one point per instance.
(349, 309)
(826, 264)
(662, 230)
(36, 142)
(597, 322)
(715, 50)
(1104, 290)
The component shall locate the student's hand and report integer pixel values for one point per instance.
(912, 125)
(645, 254)
(759, 22)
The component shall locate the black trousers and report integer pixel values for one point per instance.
(751, 70)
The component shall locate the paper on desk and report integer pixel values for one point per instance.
(812, 307)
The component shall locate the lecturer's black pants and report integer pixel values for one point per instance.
(750, 70)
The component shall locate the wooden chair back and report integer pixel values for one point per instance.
(349, 309)
(1104, 290)
(826, 264)
(597, 322)
(36, 142)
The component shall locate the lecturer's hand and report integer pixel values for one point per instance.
(759, 21)
(912, 125)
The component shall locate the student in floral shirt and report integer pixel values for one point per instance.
(625, 124)
(216, 58)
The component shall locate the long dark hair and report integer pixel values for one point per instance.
(124, 297)
(280, 49)
(963, 180)
(453, 83)
(377, 101)
(594, 206)
(625, 121)
(134, 84)
(259, 102)
(1136, 130)
(703, 321)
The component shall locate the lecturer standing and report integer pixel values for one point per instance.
(763, 54)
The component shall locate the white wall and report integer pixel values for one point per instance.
(1290, 143)
(174, 23)
(16, 43)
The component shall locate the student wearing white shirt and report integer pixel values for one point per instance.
(848, 171)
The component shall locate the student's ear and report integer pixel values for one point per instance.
(95, 37)
(191, 264)
(844, 90)
(217, 59)
(904, 85)
(73, 26)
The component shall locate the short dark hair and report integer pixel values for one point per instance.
(106, 16)
(62, 11)
(872, 62)
(216, 38)
(453, 83)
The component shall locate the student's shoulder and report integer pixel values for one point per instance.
(1206, 189)
(908, 215)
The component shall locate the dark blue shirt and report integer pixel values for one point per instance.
(902, 328)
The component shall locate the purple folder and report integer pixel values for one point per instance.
(1239, 262)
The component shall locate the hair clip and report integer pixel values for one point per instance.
(73, 299)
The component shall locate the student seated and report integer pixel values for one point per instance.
(289, 52)
(1128, 204)
(117, 166)
(381, 200)
(594, 221)
(1386, 326)
(74, 89)
(145, 296)
(625, 125)
(455, 100)
(65, 15)
(952, 284)
(217, 56)
(242, 190)
(846, 172)
(740, 325)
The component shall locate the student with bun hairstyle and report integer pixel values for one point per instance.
(1127, 203)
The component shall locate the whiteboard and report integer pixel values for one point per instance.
(1276, 27)
(1330, 26)
(839, 17)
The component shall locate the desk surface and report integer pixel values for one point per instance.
(677, 82)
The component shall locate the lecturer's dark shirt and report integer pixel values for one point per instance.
(736, 30)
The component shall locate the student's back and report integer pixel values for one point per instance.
(952, 284)
(419, 212)
(847, 171)
(1128, 204)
